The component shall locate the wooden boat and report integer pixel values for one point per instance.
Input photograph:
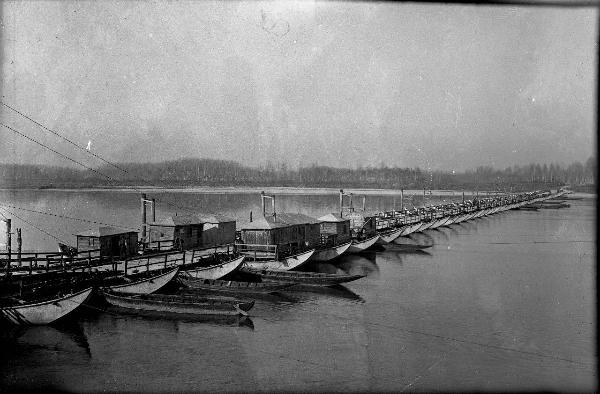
(305, 278)
(228, 286)
(424, 226)
(528, 208)
(411, 229)
(44, 312)
(385, 237)
(286, 263)
(555, 206)
(179, 303)
(331, 253)
(359, 246)
(216, 271)
(439, 223)
(147, 285)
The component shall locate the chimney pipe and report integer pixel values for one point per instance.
(341, 202)
(250, 216)
(143, 208)
(262, 201)
(153, 210)
(273, 205)
(364, 200)
(401, 199)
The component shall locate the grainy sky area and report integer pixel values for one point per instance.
(333, 83)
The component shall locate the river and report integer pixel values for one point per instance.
(505, 302)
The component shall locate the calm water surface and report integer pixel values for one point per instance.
(502, 303)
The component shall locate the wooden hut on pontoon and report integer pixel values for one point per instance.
(334, 229)
(363, 224)
(108, 241)
(175, 232)
(217, 230)
(278, 234)
(191, 231)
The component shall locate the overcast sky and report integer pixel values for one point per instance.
(333, 83)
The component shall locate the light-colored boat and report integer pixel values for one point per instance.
(411, 229)
(216, 271)
(286, 263)
(44, 312)
(145, 286)
(389, 236)
(331, 253)
(359, 246)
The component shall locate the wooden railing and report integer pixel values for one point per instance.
(39, 263)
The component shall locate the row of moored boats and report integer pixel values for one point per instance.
(188, 264)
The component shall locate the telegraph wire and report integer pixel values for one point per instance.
(83, 165)
(87, 151)
(67, 217)
(33, 225)
(61, 136)
(58, 153)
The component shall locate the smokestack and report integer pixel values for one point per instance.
(153, 210)
(262, 201)
(143, 208)
(401, 199)
(250, 216)
(341, 202)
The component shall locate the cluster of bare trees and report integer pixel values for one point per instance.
(186, 172)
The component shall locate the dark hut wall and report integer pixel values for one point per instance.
(218, 234)
(294, 234)
(312, 234)
(341, 230)
(161, 233)
(123, 245)
(186, 236)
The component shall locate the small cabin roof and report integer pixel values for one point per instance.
(296, 218)
(262, 223)
(333, 217)
(190, 219)
(214, 218)
(104, 231)
(366, 214)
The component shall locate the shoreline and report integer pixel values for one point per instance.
(289, 190)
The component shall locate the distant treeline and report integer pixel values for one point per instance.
(207, 172)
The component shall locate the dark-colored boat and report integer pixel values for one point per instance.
(305, 278)
(179, 303)
(229, 286)
(558, 205)
(529, 208)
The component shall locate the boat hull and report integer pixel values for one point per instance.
(178, 304)
(304, 278)
(360, 246)
(222, 286)
(288, 263)
(390, 236)
(330, 253)
(45, 312)
(146, 286)
(216, 271)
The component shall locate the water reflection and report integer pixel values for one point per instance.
(363, 264)
(306, 293)
(424, 239)
(59, 337)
